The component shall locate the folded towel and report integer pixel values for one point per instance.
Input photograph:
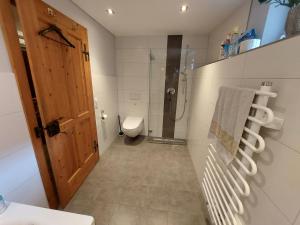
(231, 112)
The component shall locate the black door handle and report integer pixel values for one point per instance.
(53, 128)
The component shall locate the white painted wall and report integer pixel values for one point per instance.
(275, 190)
(236, 22)
(19, 174)
(102, 54)
(133, 70)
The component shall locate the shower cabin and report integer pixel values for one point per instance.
(170, 81)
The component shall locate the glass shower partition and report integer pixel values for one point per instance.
(157, 76)
(159, 96)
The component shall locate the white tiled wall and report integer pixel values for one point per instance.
(19, 174)
(102, 55)
(275, 190)
(134, 69)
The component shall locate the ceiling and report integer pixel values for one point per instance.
(159, 17)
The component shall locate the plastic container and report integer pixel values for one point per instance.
(247, 45)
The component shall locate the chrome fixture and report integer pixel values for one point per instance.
(171, 91)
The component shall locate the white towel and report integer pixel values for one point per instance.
(231, 112)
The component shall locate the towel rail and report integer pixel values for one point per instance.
(214, 204)
(235, 208)
(216, 183)
(252, 164)
(231, 189)
(216, 201)
(266, 93)
(224, 185)
(243, 191)
(269, 113)
(261, 141)
(211, 206)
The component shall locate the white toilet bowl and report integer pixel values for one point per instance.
(133, 126)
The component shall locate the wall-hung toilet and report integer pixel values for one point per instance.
(133, 126)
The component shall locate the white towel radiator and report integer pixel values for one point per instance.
(224, 187)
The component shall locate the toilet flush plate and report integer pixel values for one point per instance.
(20, 214)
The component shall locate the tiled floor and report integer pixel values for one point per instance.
(141, 184)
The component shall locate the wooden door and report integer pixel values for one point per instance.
(62, 81)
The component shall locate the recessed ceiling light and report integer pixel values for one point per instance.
(110, 11)
(184, 8)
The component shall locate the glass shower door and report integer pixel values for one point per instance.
(179, 97)
(157, 75)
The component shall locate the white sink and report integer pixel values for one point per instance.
(19, 214)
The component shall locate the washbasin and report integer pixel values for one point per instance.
(20, 214)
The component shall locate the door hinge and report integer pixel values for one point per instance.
(86, 53)
(38, 132)
(96, 146)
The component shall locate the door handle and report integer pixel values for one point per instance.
(53, 128)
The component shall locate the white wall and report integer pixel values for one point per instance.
(275, 190)
(132, 61)
(133, 70)
(102, 54)
(19, 174)
(236, 22)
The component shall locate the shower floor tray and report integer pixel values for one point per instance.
(169, 141)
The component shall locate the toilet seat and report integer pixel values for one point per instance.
(132, 122)
(132, 126)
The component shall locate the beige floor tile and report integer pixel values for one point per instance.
(184, 201)
(109, 192)
(153, 217)
(103, 213)
(158, 198)
(141, 184)
(125, 215)
(185, 219)
(134, 196)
